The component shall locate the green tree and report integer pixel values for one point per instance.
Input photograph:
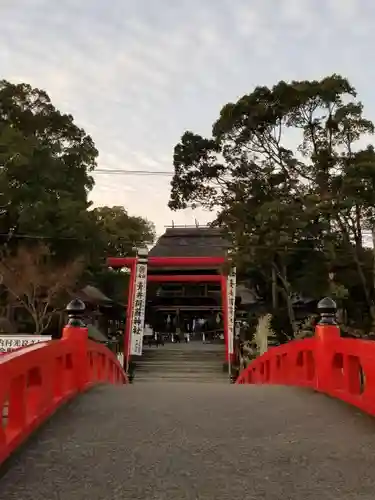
(46, 162)
(280, 203)
(117, 234)
(120, 233)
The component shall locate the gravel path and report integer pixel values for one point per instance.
(203, 441)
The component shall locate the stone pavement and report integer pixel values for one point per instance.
(197, 441)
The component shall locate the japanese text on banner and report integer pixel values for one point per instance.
(139, 308)
(231, 291)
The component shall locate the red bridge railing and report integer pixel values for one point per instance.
(340, 367)
(35, 381)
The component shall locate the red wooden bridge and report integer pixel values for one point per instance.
(73, 428)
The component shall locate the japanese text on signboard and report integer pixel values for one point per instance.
(9, 343)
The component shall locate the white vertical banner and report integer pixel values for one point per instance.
(231, 295)
(139, 307)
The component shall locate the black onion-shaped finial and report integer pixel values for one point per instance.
(76, 309)
(327, 309)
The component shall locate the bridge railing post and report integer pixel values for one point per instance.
(77, 333)
(326, 333)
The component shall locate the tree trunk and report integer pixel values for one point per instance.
(361, 274)
(373, 277)
(38, 321)
(292, 317)
(274, 289)
(288, 297)
(38, 326)
(369, 300)
(358, 223)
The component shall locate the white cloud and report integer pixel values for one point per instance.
(344, 9)
(137, 74)
(247, 20)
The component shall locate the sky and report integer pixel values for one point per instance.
(136, 74)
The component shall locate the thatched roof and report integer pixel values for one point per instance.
(6, 326)
(191, 242)
(96, 334)
(92, 295)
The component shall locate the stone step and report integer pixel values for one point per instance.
(169, 365)
(187, 351)
(154, 377)
(179, 370)
(183, 381)
(183, 348)
(198, 366)
(179, 375)
(156, 361)
(178, 378)
(181, 357)
(176, 362)
(180, 364)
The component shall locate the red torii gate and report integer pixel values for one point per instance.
(227, 296)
